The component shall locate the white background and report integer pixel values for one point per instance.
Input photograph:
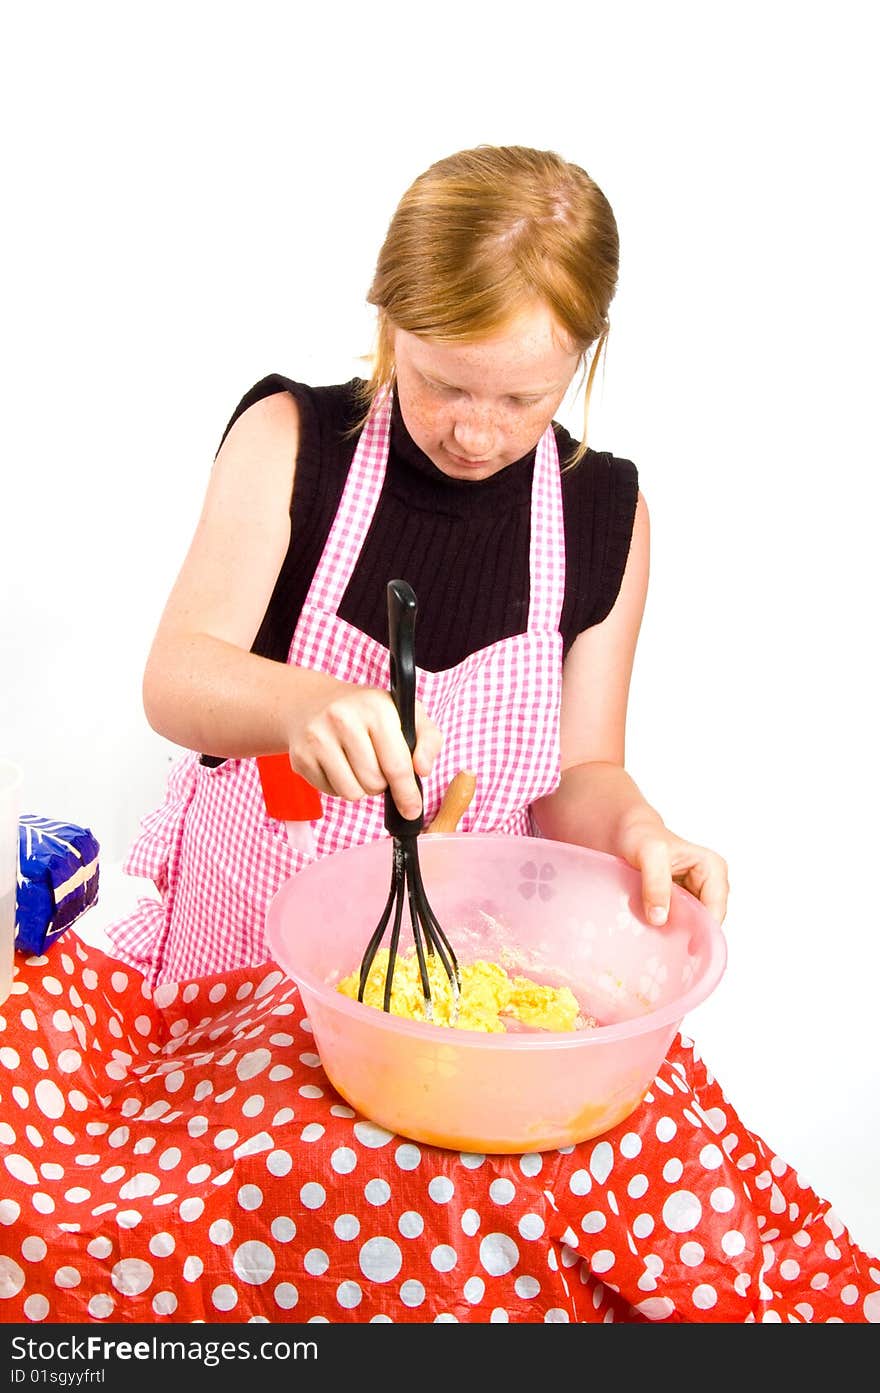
(195, 197)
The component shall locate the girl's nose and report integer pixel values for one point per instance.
(474, 433)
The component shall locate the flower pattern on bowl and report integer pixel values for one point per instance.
(536, 880)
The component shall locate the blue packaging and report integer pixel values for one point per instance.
(57, 879)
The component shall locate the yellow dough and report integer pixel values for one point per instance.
(488, 995)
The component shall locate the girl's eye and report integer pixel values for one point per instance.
(442, 388)
(524, 401)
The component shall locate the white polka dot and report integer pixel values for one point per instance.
(34, 1249)
(441, 1189)
(313, 1195)
(705, 1297)
(12, 1278)
(220, 1231)
(283, 1229)
(733, 1243)
(412, 1294)
(580, 1183)
(602, 1261)
(346, 1227)
(131, 1276)
(49, 1098)
(673, 1170)
(593, 1222)
(380, 1259)
(261, 1141)
(470, 1222)
(711, 1157)
(502, 1191)
(474, 1290)
(164, 1303)
(224, 1297)
(279, 1163)
(99, 1248)
(531, 1164)
(250, 1197)
(312, 1132)
(252, 1064)
(67, 1277)
(139, 1185)
(343, 1160)
(643, 1226)
(691, 1254)
(169, 1158)
(498, 1254)
(36, 1308)
(193, 1269)
(722, 1200)
(316, 1262)
(286, 1295)
(129, 1218)
(100, 1307)
(162, 1245)
(349, 1295)
(225, 1138)
(21, 1168)
(601, 1161)
(443, 1258)
(377, 1192)
(527, 1288)
(530, 1227)
(407, 1157)
(411, 1224)
(665, 1129)
(371, 1135)
(790, 1270)
(656, 1307)
(191, 1209)
(637, 1186)
(630, 1145)
(682, 1211)
(254, 1262)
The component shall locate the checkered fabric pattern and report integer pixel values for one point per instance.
(213, 851)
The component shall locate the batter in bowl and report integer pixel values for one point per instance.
(491, 1000)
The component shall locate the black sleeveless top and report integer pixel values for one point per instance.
(462, 545)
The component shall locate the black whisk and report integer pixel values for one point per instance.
(406, 876)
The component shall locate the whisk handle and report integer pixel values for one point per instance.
(402, 607)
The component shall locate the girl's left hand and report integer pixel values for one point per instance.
(662, 858)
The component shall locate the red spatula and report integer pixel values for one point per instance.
(290, 798)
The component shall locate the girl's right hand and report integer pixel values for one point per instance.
(351, 744)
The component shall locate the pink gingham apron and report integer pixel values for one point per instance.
(216, 856)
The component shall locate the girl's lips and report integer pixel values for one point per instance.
(459, 459)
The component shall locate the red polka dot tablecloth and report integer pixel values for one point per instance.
(180, 1156)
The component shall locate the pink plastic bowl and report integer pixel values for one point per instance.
(571, 916)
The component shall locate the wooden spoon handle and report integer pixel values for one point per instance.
(456, 800)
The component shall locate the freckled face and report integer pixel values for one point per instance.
(474, 408)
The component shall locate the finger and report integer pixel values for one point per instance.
(708, 880)
(429, 739)
(332, 773)
(654, 863)
(403, 787)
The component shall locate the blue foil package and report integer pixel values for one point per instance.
(57, 879)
